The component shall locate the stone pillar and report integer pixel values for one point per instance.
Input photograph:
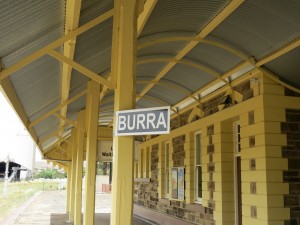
(263, 187)
(208, 168)
(221, 178)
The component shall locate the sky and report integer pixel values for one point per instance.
(14, 138)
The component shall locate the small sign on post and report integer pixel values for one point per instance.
(143, 121)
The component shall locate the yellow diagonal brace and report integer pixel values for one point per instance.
(80, 68)
(231, 7)
(65, 119)
(56, 109)
(27, 60)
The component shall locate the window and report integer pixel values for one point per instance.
(198, 168)
(167, 159)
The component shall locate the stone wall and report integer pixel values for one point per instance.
(146, 193)
(292, 152)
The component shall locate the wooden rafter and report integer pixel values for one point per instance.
(51, 112)
(73, 123)
(71, 23)
(12, 97)
(279, 52)
(142, 19)
(144, 16)
(99, 79)
(231, 7)
(71, 35)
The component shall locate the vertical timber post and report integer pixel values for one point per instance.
(73, 177)
(92, 115)
(123, 74)
(69, 186)
(79, 167)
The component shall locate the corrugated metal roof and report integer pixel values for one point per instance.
(171, 48)
(76, 106)
(27, 26)
(260, 27)
(167, 95)
(149, 69)
(50, 124)
(190, 16)
(38, 86)
(189, 77)
(34, 24)
(93, 49)
(213, 57)
(287, 67)
(145, 103)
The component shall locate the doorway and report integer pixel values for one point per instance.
(237, 172)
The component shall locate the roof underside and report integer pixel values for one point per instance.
(253, 30)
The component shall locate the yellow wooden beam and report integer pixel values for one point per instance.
(230, 8)
(171, 85)
(10, 94)
(156, 100)
(92, 114)
(64, 139)
(144, 16)
(142, 19)
(217, 44)
(28, 59)
(123, 70)
(90, 74)
(69, 171)
(105, 89)
(279, 52)
(73, 123)
(51, 112)
(73, 177)
(71, 23)
(224, 76)
(54, 133)
(79, 167)
(51, 149)
(227, 11)
(186, 62)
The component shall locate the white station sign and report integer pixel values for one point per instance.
(105, 151)
(143, 121)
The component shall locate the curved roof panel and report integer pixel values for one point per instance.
(179, 16)
(260, 27)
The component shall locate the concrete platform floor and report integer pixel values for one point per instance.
(48, 208)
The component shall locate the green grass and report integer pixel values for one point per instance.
(20, 192)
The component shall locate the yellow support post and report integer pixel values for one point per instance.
(73, 177)
(68, 188)
(123, 71)
(92, 114)
(79, 166)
